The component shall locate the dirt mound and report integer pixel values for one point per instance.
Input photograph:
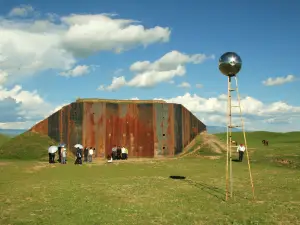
(204, 143)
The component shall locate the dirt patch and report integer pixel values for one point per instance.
(38, 167)
(4, 163)
(212, 157)
(284, 161)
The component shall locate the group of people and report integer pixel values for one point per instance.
(87, 155)
(62, 156)
(119, 153)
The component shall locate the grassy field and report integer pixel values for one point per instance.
(141, 192)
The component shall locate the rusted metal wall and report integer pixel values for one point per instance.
(75, 125)
(146, 129)
(53, 126)
(41, 127)
(94, 126)
(163, 127)
(178, 132)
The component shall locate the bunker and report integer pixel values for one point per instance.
(147, 128)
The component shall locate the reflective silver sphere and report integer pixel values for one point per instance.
(230, 63)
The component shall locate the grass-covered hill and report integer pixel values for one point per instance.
(27, 146)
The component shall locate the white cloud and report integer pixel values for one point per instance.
(164, 69)
(21, 11)
(77, 71)
(3, 77)
(213, 110)
(28, 107)
(184, 85)
(199, 86)
(33, 45)
(117, 82)
(279, 80)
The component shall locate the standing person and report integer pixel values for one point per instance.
(50, 156)
(63, 155)
(85, 154)
(119, 151)
(123, 151)
(59, 154)
(114, 152)
(126, 153)
(241, 149)
(91, 152)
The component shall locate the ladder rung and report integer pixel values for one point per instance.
(235, 106)
(234, 126)
(233, 89)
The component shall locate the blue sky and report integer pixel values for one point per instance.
(193, 34)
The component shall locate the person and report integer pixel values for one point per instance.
(59, 153)
(126, 153)
(78, 156)
(85, 154)
(63, 155)
(119, 151)
(110, 159)
(241, 149)
(114, 152)
(90, 156)
(123, 151)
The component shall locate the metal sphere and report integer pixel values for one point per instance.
(230, 64)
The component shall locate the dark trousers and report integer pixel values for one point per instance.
(241, 155)
(123, 155)
(118, 154)
(114, 155)
(51, 157)
(85, 158)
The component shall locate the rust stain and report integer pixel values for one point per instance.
(146, 128)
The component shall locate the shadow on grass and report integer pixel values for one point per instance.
(213, 191)
(235, 160)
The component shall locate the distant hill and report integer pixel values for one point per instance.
(12, 132)
(219, 129)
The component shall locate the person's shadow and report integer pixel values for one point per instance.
(211, 190)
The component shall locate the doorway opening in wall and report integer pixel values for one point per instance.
(164, 134)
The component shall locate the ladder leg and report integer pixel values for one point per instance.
(244, 134)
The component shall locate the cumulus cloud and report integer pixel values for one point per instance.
(21, 11)
(184, 85)
(279, 80)
(214, 109)
(53, 42)
(20, 107)
(172, 64)
(117, 82)
(77, 71)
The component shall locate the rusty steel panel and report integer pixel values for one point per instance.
(129, 115)
(145, 131)
(93, 127)
(111, 136)
(41, 127)
(53, 126)
(64, 125)
(75, 125)
(178, 132)
(163, 128)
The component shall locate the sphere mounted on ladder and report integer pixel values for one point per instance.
(230, 64)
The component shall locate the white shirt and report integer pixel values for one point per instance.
(64, 153)
(241, 148)
(123, 150)
(114, 149)
(91, 152)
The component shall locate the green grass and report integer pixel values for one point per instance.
(27, 146)
(3, 139)
(142, 192)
